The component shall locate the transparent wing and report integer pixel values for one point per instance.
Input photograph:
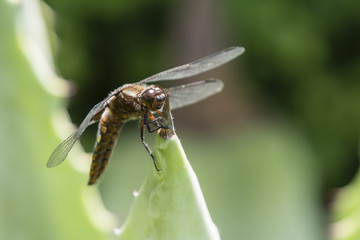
(187, 94)
(198, 66)
(60, 152)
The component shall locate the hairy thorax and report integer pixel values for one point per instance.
(125, 104)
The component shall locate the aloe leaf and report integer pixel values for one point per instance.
(170, 204)
(346, 214)
(36, 202)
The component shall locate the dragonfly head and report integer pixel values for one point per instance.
(153, 98)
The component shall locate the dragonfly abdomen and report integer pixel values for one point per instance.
(109, 128)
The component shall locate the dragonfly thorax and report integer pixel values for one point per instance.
(153, 98)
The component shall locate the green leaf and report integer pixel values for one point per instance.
(170, 204)
(36, 202)
(347, 212)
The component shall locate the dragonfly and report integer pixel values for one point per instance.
(142, 100)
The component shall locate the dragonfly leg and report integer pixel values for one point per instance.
(152, 123)
(143, 141)
(160, 122)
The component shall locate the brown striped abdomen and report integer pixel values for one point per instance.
(109, 128)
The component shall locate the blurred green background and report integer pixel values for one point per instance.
(270, 151)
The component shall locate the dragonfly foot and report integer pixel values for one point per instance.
(157, 169)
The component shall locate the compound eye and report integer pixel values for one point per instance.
(148, 97)
(161, 97)
(153, 98)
